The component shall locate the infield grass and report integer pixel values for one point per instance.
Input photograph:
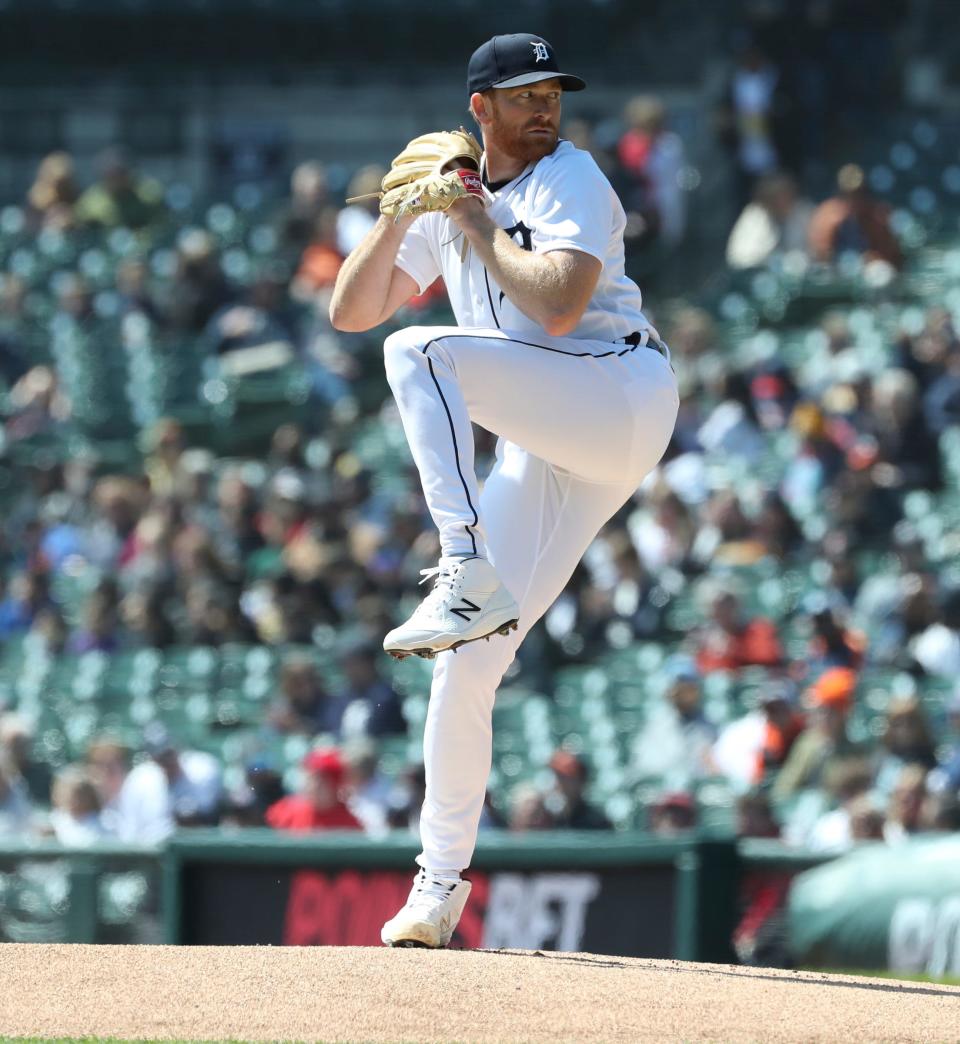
(946, 980)
(117, 1040)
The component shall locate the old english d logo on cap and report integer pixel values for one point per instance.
(514, 60)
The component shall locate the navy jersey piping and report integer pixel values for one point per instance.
(486, 274)
(542, 347)
(486, 279)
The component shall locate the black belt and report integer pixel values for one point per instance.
(636, 337)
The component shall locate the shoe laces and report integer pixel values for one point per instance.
(449, 576)
(428, 892)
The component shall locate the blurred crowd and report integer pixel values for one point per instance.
(803, 466)
(143, 794)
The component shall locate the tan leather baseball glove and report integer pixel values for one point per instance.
(431, 173)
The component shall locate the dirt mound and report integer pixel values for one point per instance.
(354, 994)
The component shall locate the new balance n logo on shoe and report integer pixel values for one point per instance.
(467, 607)
(449, 616)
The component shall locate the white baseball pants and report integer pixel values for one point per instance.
(581, 423)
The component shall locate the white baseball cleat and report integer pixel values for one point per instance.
(430, 915)
(467, 602)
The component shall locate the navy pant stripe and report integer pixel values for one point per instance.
(456, 450)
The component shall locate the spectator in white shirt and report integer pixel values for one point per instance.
(75, 819)
(173, 788)
(775, 222)
(676, 741)
(367, 788)
(738, 749)
(749, 121)
(356, 219)
(108, 764)
(905, 805)
(849, 783)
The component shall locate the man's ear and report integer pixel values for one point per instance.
(482, 108)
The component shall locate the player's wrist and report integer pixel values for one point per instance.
(469, 213)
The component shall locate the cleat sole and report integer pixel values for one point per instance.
(402, 654)
(430, 654)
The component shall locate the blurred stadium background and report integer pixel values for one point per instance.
(209, 516)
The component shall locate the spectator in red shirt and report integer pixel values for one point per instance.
(652, 157)
(729, 642)
(759, 936)
(318, 806)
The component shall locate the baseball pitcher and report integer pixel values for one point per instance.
(551, 353)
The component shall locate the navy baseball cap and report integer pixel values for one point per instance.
(514, 60)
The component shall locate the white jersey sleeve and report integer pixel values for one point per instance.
(570, 205)
(416, 256)
(573, 207)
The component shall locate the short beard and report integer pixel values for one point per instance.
(518, 145)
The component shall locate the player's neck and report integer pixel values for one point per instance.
(500, 167)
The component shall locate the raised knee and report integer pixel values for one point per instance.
(400, 351)
(409, 339)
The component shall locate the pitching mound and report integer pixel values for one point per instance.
(353, 994)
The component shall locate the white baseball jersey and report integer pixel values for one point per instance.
(562, 202)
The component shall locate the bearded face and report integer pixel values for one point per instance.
(525, 120)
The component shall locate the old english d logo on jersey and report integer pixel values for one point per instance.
(525, 234)
(540, 51)
(463, 610)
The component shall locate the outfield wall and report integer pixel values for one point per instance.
(623, 894)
